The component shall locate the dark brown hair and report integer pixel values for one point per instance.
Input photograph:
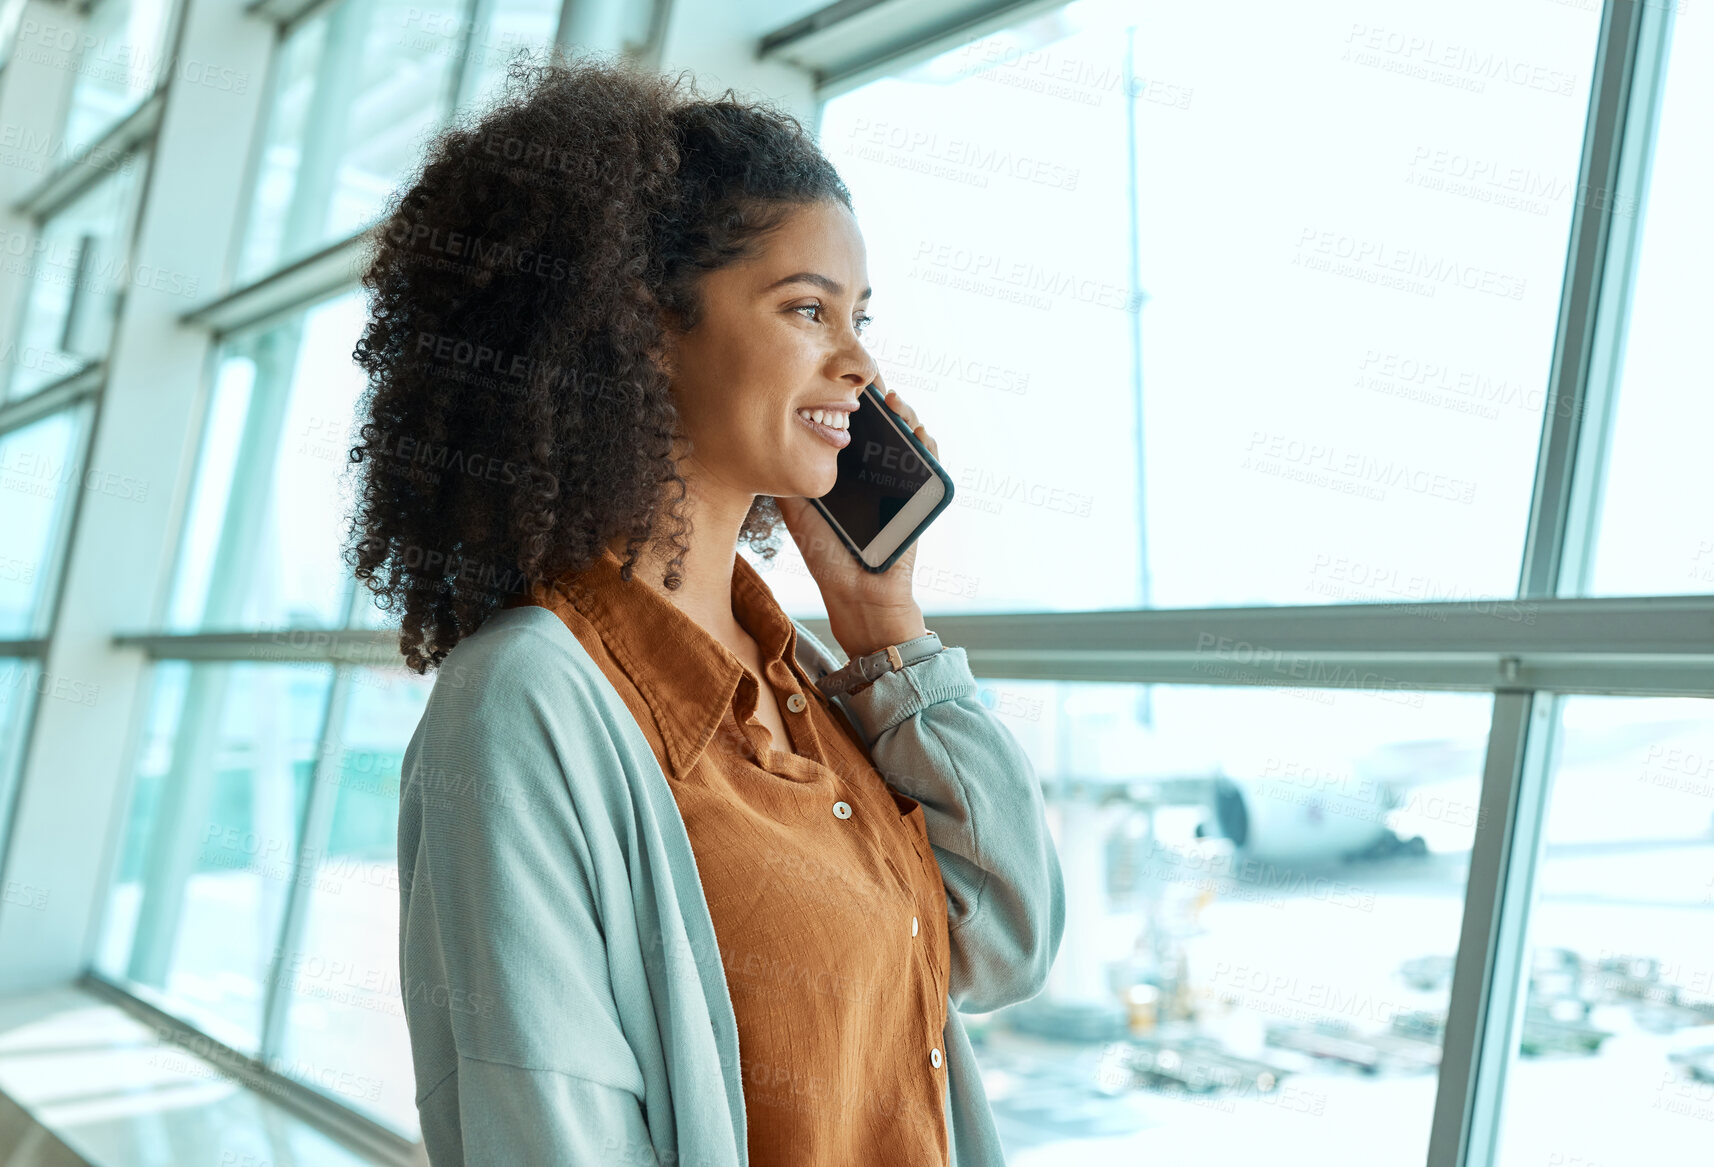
(523, 287)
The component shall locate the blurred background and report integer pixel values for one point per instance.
(1328, 392)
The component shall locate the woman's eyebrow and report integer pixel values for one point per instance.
(816, 278)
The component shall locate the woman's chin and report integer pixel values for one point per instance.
(815, 481)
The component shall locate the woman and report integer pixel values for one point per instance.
(662, 900)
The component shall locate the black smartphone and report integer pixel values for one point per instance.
(889, 487)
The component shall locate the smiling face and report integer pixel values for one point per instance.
(779, 332)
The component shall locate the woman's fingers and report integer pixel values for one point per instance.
(898, 406)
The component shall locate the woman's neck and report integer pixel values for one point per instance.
(705, 588)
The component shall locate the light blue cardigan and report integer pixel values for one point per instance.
(564, 993)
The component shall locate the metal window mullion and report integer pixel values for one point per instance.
(316, 828)
(57, 395)
(1485, 1013)
(23, 717)
(51, 573)
(285, 291)
(1627, 198)
(313, 832)
(646, 53)
(132, 134)
(254, 146)
(45, 606)
(289, 15)
(599, 26)
(461, 86)
(1610, 89)
(338, 72)
(844, 46)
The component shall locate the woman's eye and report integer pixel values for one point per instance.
(860, 324)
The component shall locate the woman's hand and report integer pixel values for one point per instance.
(867, 610)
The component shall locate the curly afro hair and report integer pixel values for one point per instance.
(523, 291)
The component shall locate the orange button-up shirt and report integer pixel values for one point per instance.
(826, 898)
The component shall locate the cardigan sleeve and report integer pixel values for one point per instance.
(932, 739)
(516, 1041)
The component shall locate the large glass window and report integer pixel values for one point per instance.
(1616, 1059)
(340, 972)
(120, 56)
(210, 853)
(359, 87)
(77, 273)
(261, 544)
(20, 682)
(1264, 890)
(258, 892)
(1276, 311)
(1655, 531)
(41, 471)
(269, 792)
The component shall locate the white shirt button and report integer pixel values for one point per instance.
(842, 810)
(913, 925)
(934, 1058)
(796, 702)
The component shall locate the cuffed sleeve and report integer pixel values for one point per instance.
(489, 1112)
(933, 740)
(515, 1033)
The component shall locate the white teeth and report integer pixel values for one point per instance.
(833, 419)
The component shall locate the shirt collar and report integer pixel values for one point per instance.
(687, 678)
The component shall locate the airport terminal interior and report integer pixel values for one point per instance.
(1333, 528)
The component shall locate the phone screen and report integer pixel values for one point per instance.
(879, 472)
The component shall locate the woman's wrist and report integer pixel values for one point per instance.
(878, 630)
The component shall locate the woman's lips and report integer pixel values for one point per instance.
(838, 439)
